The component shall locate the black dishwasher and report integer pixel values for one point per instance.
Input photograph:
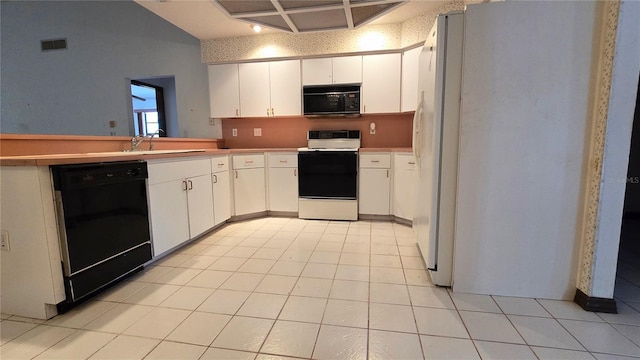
(103, 222)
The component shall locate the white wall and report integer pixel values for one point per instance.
(622, 101)
(78, 90)
(525, 100)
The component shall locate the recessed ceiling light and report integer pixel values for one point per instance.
(256, 28)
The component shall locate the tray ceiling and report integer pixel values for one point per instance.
(207, 19)
(298, 16)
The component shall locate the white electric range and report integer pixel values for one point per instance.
(328, 175)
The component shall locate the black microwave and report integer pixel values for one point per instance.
(331, 100)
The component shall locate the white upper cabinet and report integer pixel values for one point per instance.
(286, 92)
(381, 83)
(410, 79)
(270, 88)
(255, 99)
(337, 70)
(224, 91)
(317, 71)
(347, 70)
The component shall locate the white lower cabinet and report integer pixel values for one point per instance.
(249, 195)
(404, 185)
(180, 201)
(221, 189)
(374, 184)
(283, 182)
(200, 204)
(169, 215)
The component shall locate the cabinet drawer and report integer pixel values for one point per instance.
(375, 161)
(283, 160)
(169, 170)
(219, 163)
(404, 162)
(248, 161)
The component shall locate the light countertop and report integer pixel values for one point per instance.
(60, 159)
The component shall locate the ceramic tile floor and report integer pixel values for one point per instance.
(278, 288)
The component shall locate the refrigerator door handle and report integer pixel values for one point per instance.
(418, 128)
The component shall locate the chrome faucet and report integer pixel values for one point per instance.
(138, 139)
(151, 138)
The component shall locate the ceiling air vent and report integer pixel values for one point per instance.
(53, 44)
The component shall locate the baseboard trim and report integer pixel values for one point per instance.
(286, 214)
(260, 214)
(375, 217)
(595, 304)
(402, 221)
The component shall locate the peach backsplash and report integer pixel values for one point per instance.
(392, 130)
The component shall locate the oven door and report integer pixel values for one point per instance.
(328, 174)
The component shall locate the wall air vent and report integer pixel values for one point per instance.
(53, 44)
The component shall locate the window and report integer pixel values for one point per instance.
(148, 108)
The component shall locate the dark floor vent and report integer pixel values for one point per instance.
(54, 44)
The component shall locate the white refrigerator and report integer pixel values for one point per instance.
(435, 144)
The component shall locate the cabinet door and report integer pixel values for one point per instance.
(200, 203)
(221, 197)
(254, 89)
(410, 79)
(316, 71)
(168, 215)
(249, 191)
(374, 191)
(381, 83)
(283, 189)
(286, 92)
(224, 90)
(404, 187)
(347, 69)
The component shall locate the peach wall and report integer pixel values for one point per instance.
(392, 130)
(31, 144)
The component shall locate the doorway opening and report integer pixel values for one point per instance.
(627, 289)
(148, 108)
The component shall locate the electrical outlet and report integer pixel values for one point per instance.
(234, 132)
(257, 132)
(4, 242)
(211, 122)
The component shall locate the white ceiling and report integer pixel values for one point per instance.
(205, 20)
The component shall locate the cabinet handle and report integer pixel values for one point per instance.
(375, 161)
(220, 165)
(190, 184)
(215, 179)
(184, 185)
(364, 108)
(412, 162)
(284, 161)
(247, 162)
(236, 174)
(387, 173)
(267, 111)
(272, 114)
(295, 172)
(237, 112)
